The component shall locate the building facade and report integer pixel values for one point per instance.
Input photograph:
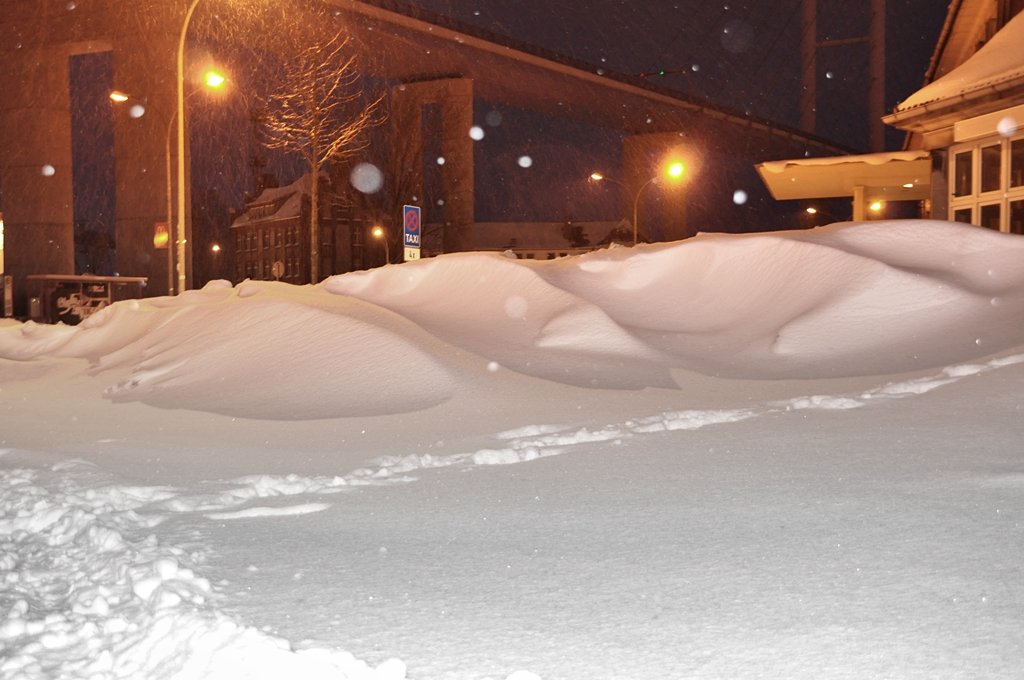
(271, 240)
(970, 116)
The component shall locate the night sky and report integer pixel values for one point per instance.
(743, 54)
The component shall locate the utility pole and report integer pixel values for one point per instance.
(809, 46)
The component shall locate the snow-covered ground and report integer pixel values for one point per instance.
(790, 455)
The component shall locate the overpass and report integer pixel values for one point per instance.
(425, 59)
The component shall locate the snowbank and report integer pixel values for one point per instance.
(851, 299)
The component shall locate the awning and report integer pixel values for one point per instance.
(892, 176)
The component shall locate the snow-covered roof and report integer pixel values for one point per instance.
(287, 201)
(881, 158)
(891, 176)
(996, 67)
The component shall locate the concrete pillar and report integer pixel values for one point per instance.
(453, 98)
(40, 36)
(809, 66)
(141, 153)
(859, 205)
(876, 75)
(35, 167)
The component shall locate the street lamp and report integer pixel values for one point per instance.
(179, 234)
(674, 170)
(379, 233)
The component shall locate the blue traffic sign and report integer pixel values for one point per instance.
(411, 222)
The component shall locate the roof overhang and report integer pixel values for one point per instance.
(990, 79)
(894, 176)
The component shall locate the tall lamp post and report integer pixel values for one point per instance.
(674, 170)
(179, 232)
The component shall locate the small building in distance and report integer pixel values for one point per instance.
(550, 240)
(270, 237)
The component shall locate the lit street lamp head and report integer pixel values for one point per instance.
(214, 79)
(378, 233)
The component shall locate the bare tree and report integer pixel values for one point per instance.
(319, 109)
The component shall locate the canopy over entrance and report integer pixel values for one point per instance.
(889, 176)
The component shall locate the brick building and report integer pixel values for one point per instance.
(270, 236)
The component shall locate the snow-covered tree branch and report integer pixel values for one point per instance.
(319, 108)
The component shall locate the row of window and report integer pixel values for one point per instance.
(266, 237)
(986, 185)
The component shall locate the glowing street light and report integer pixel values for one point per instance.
(214, 79)
(673, 171)
(379, 233)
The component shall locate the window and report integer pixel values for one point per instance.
(1017, 163)
(990, 216)
(962, 174)
(1017, 217)
(990, 162)
(963, 215)
(986, 185)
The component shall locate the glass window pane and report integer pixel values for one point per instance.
(990, 216)
(1017, 163)
(962, 180)
(1017, 217)
(962, 215)
(990, 156)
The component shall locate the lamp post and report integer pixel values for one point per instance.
(379, 233)
(179, 232)
(675, 170)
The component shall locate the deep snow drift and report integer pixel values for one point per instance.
(218, 485)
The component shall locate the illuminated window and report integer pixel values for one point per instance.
(1017, 217)
(963, 174)
(986, 183)
(990, 215)
(1017, 163)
